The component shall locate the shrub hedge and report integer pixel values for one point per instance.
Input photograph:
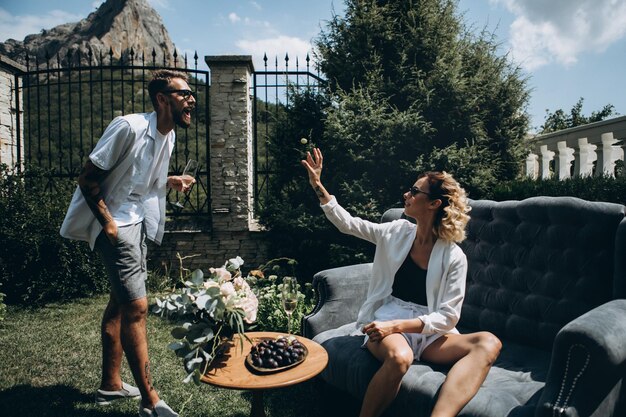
(603, 188)
(37, 265)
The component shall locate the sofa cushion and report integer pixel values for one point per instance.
(512, 387)
(537, 264)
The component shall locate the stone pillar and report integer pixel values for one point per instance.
(233, 233)
(531, 166)
(622, 157)
(584, 157)
(607, 155)
(546, 157)
(564, 159)
(11, 120)
(231, 142)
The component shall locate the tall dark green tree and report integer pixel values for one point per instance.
(415, 62)
(411, 88)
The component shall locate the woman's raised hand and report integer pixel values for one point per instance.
(313, 166)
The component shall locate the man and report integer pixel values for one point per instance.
(120, 200)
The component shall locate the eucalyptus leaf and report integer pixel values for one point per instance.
(212, 305)
(179, 332)
(193, 364)
(202, 339)
(188, 378)
(176, 345)
(184, 351)
(197, 277)
(202, 300)
(196, 377)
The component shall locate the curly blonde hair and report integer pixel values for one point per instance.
(452, 216)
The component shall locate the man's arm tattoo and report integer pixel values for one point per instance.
(319, 192)
(89, 182)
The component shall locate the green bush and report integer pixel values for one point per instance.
(605, 188)
(37, 265)
(266, 282)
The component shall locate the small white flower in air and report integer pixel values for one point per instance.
(303, 141)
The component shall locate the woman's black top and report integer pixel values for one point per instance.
(409, 283)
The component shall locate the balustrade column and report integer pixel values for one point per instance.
(564, 160)
(546, 157)
(531, 165)
(606, 155)
(623, 157)
(584, 157)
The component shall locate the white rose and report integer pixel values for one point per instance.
(221, 273)
(227, 289)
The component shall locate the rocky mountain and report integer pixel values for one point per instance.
(117, 26)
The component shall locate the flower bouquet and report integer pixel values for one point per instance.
(212, 308)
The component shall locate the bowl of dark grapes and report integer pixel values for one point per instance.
(274, 355)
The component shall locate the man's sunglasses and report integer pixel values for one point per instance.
(415, 191)
(184, 93)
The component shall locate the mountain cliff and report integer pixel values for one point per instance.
(117, 26)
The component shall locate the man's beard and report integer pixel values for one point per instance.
(179, 119)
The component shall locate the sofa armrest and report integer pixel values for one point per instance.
(341, 292)
(588, 365)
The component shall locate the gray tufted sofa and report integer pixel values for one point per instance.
(547, 275)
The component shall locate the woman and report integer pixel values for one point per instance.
(416, 292)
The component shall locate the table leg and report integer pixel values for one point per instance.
(257, 409)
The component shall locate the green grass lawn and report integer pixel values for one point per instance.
(50, 366)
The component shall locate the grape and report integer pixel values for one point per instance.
(282, 351)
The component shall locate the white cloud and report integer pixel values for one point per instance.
(560, 30)
(276, 48)
(233, 17)
(18, 27)
(256, 5)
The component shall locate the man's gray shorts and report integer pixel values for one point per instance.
(125, 262)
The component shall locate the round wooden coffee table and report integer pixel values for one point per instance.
(231, 371)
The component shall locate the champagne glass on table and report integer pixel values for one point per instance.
(289, 298)
(188, 176)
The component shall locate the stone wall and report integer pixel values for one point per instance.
(233, 232)
(8, 111)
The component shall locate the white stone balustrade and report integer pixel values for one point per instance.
(591, 149)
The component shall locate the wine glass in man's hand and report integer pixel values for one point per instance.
(189, 178)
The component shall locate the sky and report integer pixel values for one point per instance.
(567, 49)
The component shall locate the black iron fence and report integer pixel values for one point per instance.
(69, 101)
(271, 90)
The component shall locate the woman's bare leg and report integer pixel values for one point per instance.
(396, 356)
(472, 356)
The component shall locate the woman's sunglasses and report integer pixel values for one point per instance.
(415, 191)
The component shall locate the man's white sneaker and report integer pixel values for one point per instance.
(128, 391)
(161, 409)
